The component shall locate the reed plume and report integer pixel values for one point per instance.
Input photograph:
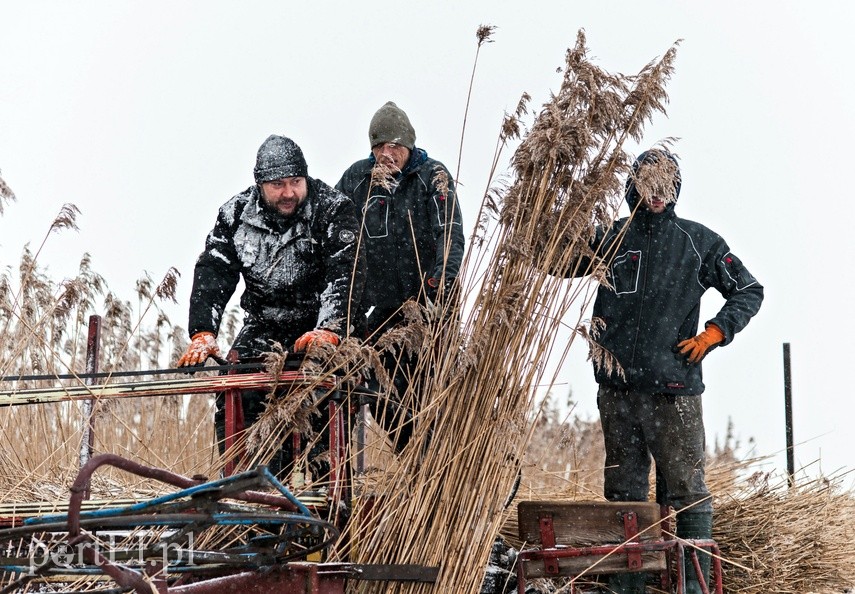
(6, 194)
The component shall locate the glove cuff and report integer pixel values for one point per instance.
(714, 332)
(332, 336)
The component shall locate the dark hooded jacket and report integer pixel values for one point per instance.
(297, 270)
(423, 207)
(661, 268)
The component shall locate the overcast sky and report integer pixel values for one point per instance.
(147, 116)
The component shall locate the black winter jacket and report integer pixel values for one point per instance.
(417, 207)
(660, 270)
(297, 270)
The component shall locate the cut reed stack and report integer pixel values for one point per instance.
(788, 540)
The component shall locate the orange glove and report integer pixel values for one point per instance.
(202, 346)
(319, 336)
(696, 348)
(431, 288)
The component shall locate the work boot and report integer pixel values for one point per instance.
(627, 583)
(697, 525)
(499, 576)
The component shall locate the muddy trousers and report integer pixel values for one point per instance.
(638, 428)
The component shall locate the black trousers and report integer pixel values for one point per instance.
(638, 427)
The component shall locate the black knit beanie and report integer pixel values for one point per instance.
(391, 124)
(279, 157)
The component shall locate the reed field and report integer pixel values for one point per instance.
(487, 423)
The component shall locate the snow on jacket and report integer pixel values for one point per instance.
(296, 270)
(661, 268)
(418, 207)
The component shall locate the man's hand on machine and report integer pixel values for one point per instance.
(318, 336)
(202, 345)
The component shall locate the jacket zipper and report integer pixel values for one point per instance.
(645, 267)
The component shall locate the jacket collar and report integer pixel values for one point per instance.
(417, 158)
(646, 219)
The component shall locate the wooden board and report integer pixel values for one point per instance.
(595, 564)
(587, 523)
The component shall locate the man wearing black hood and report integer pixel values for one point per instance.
(658, 267)
(293, 240)
(412, 235)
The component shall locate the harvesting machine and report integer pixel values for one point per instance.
(247, 533)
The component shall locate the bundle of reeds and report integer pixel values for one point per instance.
(442, 503)
(789, 539)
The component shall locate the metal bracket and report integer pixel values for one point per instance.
(630, 530)
(547, 539)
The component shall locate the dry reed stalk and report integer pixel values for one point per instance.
(483, 35)
(443, 503)
(44, 326)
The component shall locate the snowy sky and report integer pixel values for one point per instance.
(147, 116)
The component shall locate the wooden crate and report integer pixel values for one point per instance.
(582, 525)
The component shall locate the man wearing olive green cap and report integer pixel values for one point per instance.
(412, 236)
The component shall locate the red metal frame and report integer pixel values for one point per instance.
(339, 469)
(234, 422)
(674, 548)
(293, 578)
(339, 479)
(93, 352)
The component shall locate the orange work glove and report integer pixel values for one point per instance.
(319, 336)
(696, 348)
(202, 346)
(431, 288)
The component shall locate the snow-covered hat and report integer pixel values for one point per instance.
(391, 124)
(279, 157)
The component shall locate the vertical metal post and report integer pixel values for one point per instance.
(233, 403)
(93, 352)
(788, 413)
